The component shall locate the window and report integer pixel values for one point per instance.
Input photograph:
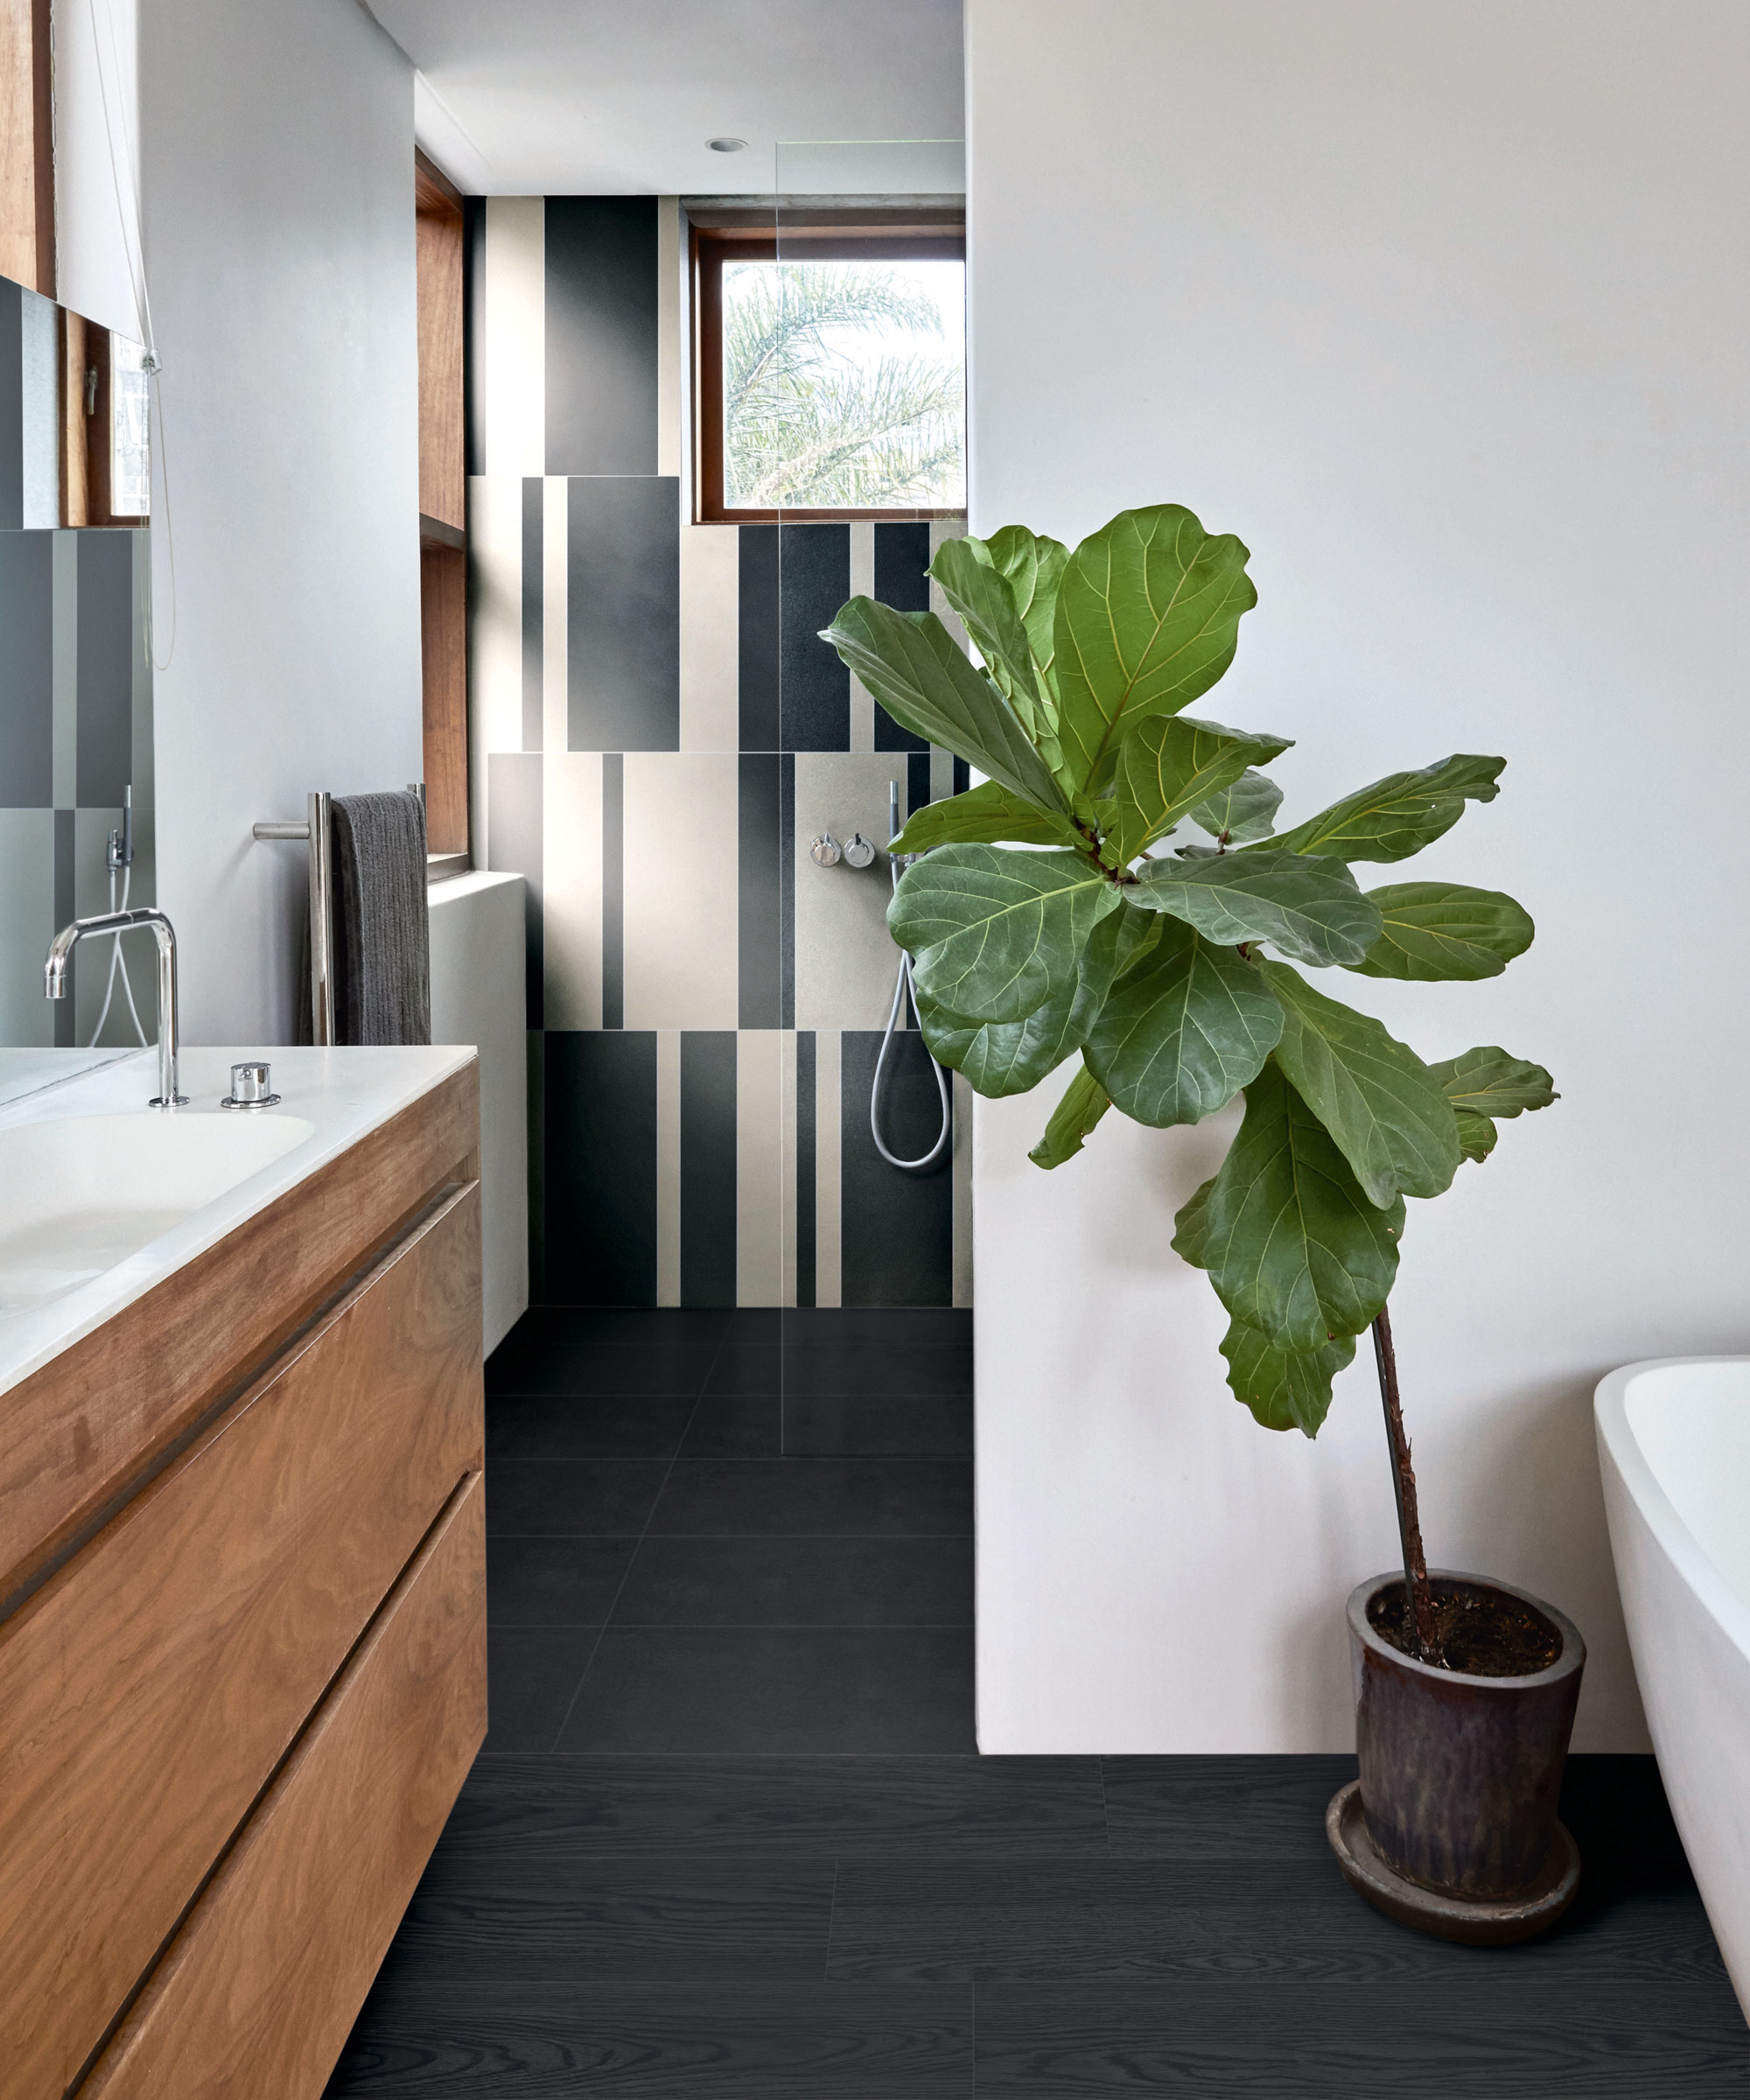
(830, 370)
(130, 452)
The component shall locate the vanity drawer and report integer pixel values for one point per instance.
(150, 1689)
(259, 1990)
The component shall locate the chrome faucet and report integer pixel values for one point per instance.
(54, 983)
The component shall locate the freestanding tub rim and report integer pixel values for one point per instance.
(1680, 1545)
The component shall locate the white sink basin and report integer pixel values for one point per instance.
(79, 1193)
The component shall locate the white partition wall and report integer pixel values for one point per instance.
(1442, 308)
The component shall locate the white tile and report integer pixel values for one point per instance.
(827, 1150)
(862, 585)
(710, 614)
(681, 934)
(515, 388)
(759, 1206)
(555, 699)
(668, 1167)
(495, 620)
(571, 886)
(786, 1172)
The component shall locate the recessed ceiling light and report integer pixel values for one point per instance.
(725, 145)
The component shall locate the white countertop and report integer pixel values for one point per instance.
(345, 1093)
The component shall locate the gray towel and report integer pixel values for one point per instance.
(382, 956)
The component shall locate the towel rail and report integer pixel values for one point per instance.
(318, 829)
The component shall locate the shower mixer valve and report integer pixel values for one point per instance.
(826, 850)
(859, 852)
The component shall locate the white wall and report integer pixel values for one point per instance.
(97, 176)
(1442, 308)
(276, 169)
(477, 996)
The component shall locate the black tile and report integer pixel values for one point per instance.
(27, 661)
(898, 1426)
(565, 1807)
(600, 1166)
(749, 1368)
(799, 1582)
(1414, 2041)
(513, 846)
(573, 1348)
(532, 1676)
(896, 1243)
(568, 1497)
(614, 890)
(534, 641)
(545, 1918)
(874, 1327)
(107, 643)
(572, 1425)
(708, 1179)
(601, 354)
(797, 1497)
(757, 636)
(805, 1166)
(645, 2041)
(887, 1368)
(814, 686)
(868, 1690)
(765, 907)
(901, 557)
(734, 1425)
(623, 614)
(553, 1581)
(1222, 1807)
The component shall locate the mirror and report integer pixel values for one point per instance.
(76, 819)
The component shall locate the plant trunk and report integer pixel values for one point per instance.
(1420, 1596)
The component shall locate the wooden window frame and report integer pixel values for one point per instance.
(440, 261)
(852, 236)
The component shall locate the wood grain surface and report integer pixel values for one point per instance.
(256, 1993)
(93, 1425)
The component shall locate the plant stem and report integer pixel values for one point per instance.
(1419, 1625)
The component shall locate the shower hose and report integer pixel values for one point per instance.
(897, 865)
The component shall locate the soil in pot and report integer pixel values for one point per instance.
(1482, 1632)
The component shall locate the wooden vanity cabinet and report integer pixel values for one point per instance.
(239, 1695)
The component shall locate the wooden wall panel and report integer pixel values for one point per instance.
(438, 252)
(258, 1992)
(93, 1425)
(27, 243)
(148, 1691)
(444, 655)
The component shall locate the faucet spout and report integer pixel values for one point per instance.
(54, 983)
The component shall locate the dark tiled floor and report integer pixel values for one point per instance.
(728, 1839)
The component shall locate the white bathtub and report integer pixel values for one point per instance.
(1674, 1447)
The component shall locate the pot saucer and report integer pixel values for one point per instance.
(1477, 1924)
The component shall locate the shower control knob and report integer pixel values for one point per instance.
(826, 850)
(859, 852)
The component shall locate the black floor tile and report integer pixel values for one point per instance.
(877, 1426)
(580, 1807)
(569, 1496)
(555, 1581)
(556, 1349)
(579, 1426)
(1222, 1808)
(877, 1326)
(799, 1582)
(852, 1367)
(895, 1497)
(546, 1918)
(863, 1690)
(643, 2042)
(736, 1425)
(754, 1367)
(1412, 2042)
(532, 1675)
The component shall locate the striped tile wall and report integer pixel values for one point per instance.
(658, 736)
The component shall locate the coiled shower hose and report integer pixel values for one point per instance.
(897, 864)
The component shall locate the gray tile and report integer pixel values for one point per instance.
(757, 637)
(553, 1581)
(601, 349)
(798, 1582)
(814, 686)
(817, 1497)
(532, 1676)
(514, 845)
(571, 1497)
(27, 669)
(623, 614)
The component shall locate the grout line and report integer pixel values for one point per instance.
(632, 1557)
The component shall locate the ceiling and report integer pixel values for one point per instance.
(606, 97)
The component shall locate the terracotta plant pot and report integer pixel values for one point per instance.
(1459, 1777)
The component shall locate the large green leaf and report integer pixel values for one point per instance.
(1309, 909)
(1489, 1083)
(993, 934)
(1294, 1249)
(1284, 1389)
(1170, 764)
(1477, 1133)
(987, 815)
(982, 595)
(1182, 1030)
(1398, 815)
(1033, 566)
(1244, 810)
(1083, 1103)
(910, 663)
(997, 1058)
(1377, 1099)
(1191, 1227)
(1148, 617)
(1436, 931)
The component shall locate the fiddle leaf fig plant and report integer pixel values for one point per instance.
(1115, 888)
